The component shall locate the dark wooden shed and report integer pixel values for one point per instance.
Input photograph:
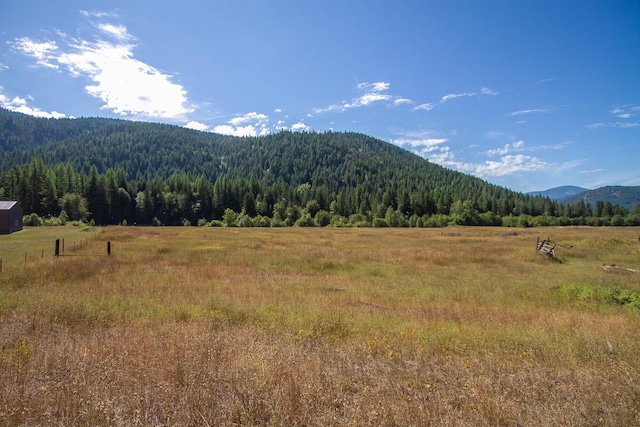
(10, 217)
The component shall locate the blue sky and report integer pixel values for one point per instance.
(528, 95)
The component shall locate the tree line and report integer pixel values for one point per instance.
(59, 194)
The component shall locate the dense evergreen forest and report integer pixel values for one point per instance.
(113, 172)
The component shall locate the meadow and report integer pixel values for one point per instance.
(329, 327)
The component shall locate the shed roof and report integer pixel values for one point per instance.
(5, 206)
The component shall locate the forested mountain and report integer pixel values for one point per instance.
(625, 196)
(111, 171)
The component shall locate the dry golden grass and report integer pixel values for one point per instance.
(221, 326)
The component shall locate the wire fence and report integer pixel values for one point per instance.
(59, 248)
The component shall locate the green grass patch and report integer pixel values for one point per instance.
(601, 294)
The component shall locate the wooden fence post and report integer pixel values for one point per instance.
(57, 252)
(108, 248)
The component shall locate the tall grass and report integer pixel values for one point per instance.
(218, 326)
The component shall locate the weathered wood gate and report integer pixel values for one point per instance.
(546, 247)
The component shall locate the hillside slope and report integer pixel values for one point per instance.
(626, 196)
(335, 161)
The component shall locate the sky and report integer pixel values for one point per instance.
(525, 94)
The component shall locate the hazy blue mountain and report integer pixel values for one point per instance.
(559, 193)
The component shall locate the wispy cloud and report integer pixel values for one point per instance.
(592, 171)
(628, 113)
(547, 80)
(98, 14)
(622, 125)
(371, 93)
(45, 53)
(533, 110)
(126, 85)
(378, 92)
(425, 107)
(483, 91)
(401, 101)
(456, 95)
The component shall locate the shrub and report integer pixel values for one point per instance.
(379, 223)
(32, 220)
(304, 221)
(322, 218)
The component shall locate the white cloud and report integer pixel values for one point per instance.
(196, 126)
(424, 147)
(534, 110)
(300, 127)
(118, 32)
(20, 105)
(509, 165)
(487, 91)
(249, 130)
(127, 86)
(249, 117)
(426, 144)
(419, 143)
(255, 124)
(516, 146)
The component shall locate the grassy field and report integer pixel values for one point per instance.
(283, 327)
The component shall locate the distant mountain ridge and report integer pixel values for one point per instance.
(626, 196)
(559, 193)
